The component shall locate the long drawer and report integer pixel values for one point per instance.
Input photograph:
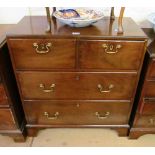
(76, 113)
(54, 85)
(110, 54)
(43, 53)
(7, 121)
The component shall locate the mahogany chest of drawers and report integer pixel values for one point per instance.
(77, 77)
(144, 120)
(12, 120)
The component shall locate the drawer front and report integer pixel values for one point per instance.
(49, 85)
(76, 113)
(152, 69)
(148, 107)
(149, 89)
(3, 97)
(6, 120)
(43, 53)
(145, 121)
(111, 54)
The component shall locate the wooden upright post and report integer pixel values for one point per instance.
(48, 19)
(49, 16)
(112, 15)
(120, 19)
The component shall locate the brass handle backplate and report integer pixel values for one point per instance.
(42, 48)
(42, 86)
(111, 49)
(101, 89)
(55, 116)
(105, 115)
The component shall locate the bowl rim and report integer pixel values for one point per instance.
(151, 17)
(79, 20)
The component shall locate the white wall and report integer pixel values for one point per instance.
(13, 15)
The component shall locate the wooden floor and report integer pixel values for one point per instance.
(79, 137)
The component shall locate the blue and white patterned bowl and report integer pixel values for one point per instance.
(84, 17)
(151, 18)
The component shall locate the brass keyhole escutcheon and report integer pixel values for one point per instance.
(152, 121)
(77, 77)
(77, 105)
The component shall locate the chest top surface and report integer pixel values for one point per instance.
(37, 25)
(3, 29)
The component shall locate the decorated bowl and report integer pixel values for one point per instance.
(151, 18)
(78, 17)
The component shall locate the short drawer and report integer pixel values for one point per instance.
(3, 97)
(110, 54)
(76, 113)
(43, 53)
(54, 85)
(148, 107)
(152, 69)
(145, 121)
(7, 121)
(149, 89)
